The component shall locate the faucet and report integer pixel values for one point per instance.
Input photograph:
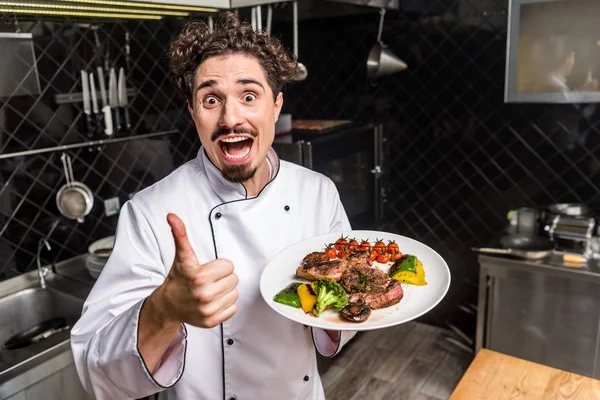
(43, 271)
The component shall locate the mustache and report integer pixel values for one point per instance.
(227, 131)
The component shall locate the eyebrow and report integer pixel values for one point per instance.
(246, 81)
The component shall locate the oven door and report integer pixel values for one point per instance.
(352, 159)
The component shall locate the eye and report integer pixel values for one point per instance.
(249, 97)
(210, 101)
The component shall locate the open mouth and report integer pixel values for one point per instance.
(236, 148)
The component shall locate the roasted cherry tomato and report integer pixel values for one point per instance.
(364, 246)
(396, 256)
(392, 247)
(383, 258)
(341, 243)
(379, 247)
(330, 251)
(374, 255)
(342, 254)
(352, 245)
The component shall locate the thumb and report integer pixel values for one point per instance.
(184, 253)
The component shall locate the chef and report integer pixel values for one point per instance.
(177, 309)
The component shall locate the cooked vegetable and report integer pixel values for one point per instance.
(341, 243)
(364, 246)
(289, 295)
(392, 247)
(352, 245)
(383, 258)
(380, 247)
(356, 312)
(331, 252)
(330, 294)
(308, 297)
(408, 269)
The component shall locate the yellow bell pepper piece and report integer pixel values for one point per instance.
(412, 278)
(308, 296)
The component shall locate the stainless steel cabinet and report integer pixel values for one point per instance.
(539, 312)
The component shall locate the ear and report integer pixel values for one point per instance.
(278, 105)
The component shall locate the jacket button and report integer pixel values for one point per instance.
(230, 341)
(286, 208)
(306, 378)
(218, 215)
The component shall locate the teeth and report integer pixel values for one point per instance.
(234, 139)
(244, 154)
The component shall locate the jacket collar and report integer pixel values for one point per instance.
(228, 191)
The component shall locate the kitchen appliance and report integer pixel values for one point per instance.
(570, 226)
(351, 155)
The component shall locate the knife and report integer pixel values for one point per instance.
(113, 97)
(95, 103)
(86, 103)
(108, 128)
(123, 98)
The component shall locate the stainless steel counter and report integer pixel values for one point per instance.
(543, 311)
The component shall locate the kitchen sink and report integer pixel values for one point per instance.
(34, 321)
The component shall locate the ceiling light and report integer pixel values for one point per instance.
(66, 13)
(144, 5)
(89, 8)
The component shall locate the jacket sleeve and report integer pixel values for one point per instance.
(339, 223)
(104, 340)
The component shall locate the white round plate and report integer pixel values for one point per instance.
(417, 300)
(104, 243)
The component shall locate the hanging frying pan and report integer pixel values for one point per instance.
(522, 246)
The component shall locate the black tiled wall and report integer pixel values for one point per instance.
(458, 158)
(30, 183)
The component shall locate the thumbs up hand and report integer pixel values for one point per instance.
(203, 295)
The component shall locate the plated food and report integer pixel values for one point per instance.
(383, 282)
(352, 277)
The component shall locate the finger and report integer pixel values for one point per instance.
(221, 317)
(212, 271)
(183, 249)
(217, 306)
(217, 289)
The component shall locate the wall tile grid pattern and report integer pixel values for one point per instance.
(457, 157)
(30, 183)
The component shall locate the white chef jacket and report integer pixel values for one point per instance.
(255, 355)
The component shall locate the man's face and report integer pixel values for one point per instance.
(234, 113)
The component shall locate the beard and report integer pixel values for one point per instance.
(238, 173)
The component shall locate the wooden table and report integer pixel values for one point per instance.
(496, 376)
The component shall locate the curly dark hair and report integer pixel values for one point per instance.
(196, 43)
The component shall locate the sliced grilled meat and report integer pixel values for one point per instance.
(390, 294)
(315, 257)
(331, 269)
(317, 265)
(364, 279)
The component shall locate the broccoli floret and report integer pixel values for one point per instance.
(330, 294)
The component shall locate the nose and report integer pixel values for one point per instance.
(231, 114)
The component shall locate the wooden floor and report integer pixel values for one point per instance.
(411, 361)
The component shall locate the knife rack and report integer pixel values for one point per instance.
(77, 97)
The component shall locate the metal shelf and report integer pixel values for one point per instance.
(77, 97)
(91, 143)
